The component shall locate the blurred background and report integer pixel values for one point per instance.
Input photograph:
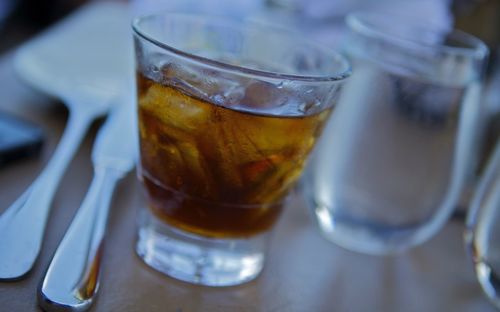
(321, 20)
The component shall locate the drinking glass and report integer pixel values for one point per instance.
(228, 112)
(394, 158)
(482, 234)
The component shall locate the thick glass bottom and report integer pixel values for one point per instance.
(197, 259)
(367, 236)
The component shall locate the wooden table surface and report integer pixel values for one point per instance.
(304, 272)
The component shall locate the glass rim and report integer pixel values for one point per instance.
(368, 24)
(337, 57)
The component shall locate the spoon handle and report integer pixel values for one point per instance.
(22, 224)
(72, 278)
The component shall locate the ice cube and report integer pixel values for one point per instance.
(308, 100)
(208, 85)
(186, 78)
(151, 66)
(272, 185)
(199, 181)
(222, 146)
(262, 95)
(229, 94)
(175, 108)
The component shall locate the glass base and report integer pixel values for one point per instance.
(367, 237)
(197, 259)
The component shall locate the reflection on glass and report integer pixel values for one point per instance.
(482, 235)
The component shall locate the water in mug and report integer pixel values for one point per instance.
(389, 169)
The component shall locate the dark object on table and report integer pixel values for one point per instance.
(24, 18)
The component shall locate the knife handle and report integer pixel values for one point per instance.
(72, 278)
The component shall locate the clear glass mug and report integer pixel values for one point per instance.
(228, 112)
(392, 162)
(482, 234)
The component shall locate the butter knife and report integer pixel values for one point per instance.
(72, 278)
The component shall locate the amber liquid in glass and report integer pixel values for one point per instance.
(218, 171)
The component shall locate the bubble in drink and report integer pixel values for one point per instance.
(214, 170)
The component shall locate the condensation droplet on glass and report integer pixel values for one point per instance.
(218, 99)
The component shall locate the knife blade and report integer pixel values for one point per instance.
(115, 145)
